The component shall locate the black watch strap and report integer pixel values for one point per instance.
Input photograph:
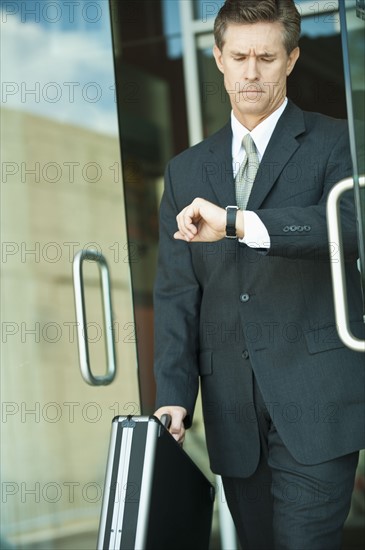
(231, 222)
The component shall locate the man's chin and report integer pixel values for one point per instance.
(251, 114)
(250, 107)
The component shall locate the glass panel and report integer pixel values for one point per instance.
(215, 102)
(62, 192)
(204, 10)
(153, 129)
(353, 37)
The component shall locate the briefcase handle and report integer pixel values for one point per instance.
(166, 420)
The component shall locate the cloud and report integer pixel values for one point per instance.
(63, 75)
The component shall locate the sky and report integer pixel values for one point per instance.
(56, 61)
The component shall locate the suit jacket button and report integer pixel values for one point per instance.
(293, 228)
(245, 354)
(307, 228)
(244, 297)
(286, 229)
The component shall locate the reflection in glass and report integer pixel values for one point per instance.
(353, 36)
(152, 115)
(62, 191)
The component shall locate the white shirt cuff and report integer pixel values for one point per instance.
(256, 235)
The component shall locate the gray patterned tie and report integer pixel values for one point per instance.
(246, 173)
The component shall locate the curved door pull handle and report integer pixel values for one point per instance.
(83, 343)
(338, 268)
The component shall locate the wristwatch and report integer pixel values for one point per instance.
(231, 222)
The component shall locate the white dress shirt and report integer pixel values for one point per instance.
(256, 235)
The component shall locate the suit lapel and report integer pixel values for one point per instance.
(281, 147)
(217, 166)
(217, 163)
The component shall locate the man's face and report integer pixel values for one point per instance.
(255, 65)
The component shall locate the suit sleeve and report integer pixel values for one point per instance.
(301, 232)
(177, 297)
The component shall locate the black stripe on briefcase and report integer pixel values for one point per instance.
(132, 491)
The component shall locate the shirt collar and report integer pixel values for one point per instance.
(261, 134)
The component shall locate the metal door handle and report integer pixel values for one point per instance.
(82, 337)
(338, 268)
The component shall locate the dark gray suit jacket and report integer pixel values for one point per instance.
(221, 308)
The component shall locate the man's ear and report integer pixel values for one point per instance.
(292, 59)
(218, 58)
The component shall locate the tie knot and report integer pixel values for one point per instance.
(249, 145)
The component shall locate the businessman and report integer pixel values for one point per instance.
(243, 297)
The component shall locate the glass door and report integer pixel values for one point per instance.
(61, 192)
(353, 41)
(352, 18)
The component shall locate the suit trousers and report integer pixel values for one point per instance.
(286, 505)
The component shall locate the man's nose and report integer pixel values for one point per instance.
(252, 70)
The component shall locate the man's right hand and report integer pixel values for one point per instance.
(177, 429)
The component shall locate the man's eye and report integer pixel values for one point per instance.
(267, 59)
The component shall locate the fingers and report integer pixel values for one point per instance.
(201, 221)
(177, 428)
(185, 237)
(186, 222)
(177, 414)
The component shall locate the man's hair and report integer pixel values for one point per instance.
(247, 12)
